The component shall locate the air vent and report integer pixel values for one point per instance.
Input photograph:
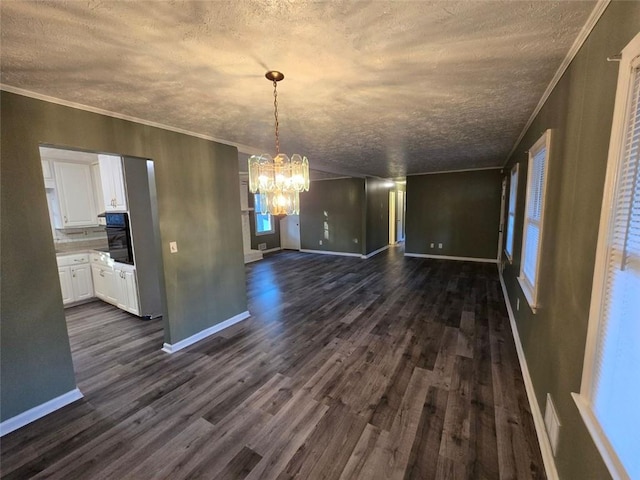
(262, 246)
(552, 424)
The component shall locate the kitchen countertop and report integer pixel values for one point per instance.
(67, 248)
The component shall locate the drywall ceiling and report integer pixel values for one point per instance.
(371, 88)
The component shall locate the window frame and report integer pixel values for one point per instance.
(584, 400)
(257, 214)
(513, 199)
(529, 288)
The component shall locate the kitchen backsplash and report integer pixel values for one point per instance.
(80, 239)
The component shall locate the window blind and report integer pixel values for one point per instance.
(616, 382)
(511, 217)
(533, 218)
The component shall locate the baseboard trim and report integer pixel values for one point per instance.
(327, 252)
(538, 419)
(174, 347)
(40, 411)
(271, 250)
(375, 252)
(449, 257)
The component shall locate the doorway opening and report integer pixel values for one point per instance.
(104, 223)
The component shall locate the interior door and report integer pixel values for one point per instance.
(290, 232)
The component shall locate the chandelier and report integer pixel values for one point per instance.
(278, 180)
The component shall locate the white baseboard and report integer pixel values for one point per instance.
(40, 411)
(271, 250)
(174, 347)
(448, 257)
(327, 252)
(538, 419)
(375, 252)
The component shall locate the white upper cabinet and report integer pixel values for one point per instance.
(74, 190)
(112, 180)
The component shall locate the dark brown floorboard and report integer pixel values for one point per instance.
(386, 368)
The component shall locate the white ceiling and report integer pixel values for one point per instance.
(371, 88)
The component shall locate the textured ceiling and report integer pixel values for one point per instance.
(372, 88)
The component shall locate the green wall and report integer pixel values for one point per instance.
(461, 210)
(339, 203)
(579, 112)
(198, 206)
(377, 215)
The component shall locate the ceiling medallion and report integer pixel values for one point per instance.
(278, 180)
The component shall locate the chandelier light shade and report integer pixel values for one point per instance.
(279, 179)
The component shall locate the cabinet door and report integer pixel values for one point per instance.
(129, 279)
(97, 187)
(111, 286)
(65, 284)
(81, 281)
(74, 190)
(112, 179)
(121, 292)
(99, 282)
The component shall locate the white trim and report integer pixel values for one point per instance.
(449, 257)
(172, 348)
(327, 252)
(595, 15)
(608, 454)
(271, 250)
(536, 413)
(375, 252)
(40, 411)
(65, 103)
(456, 171)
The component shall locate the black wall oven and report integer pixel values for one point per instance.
(119, 237)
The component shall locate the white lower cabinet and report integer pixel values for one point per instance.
(127, 288)
(75, 278)
(115, 283)
(65, 284)
(104, 283)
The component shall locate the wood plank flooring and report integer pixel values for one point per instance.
(386, 368)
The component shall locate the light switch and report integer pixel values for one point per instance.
(173, 247)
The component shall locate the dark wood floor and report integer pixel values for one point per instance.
(384, 368)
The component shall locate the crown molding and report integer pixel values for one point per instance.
(596, 13)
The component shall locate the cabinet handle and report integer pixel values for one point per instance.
(102, 273)
(73, 274)
(65, 219)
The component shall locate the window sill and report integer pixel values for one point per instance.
(265, 233)
(508, 257)
(529, 294)
(609, 455)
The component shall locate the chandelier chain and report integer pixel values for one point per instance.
(275, 114)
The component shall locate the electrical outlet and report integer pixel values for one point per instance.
(439, 245)
(432, 245)
(173, 247)
(517, 304)
(320, 242)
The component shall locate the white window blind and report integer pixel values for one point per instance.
(511, 214)
(534, 210)
(615, 394)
